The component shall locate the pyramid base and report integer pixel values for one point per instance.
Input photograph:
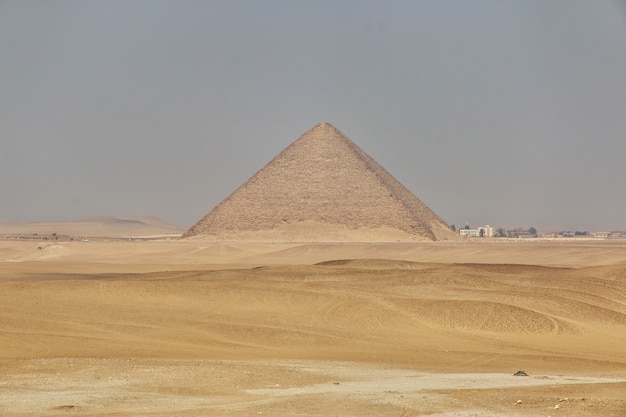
(311, 231)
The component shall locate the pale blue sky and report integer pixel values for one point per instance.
(508, 113)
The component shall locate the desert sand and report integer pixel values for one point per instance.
(194, 328)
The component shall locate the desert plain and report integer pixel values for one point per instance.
(169, 327)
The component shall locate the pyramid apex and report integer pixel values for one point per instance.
(322, 125)
(323, 130)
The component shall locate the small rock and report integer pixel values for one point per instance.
(520, 373)
(518, 402)
(556, 407)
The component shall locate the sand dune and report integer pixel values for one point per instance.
(194, 328)
(157, 255)
(275, 331)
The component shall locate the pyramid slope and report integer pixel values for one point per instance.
(322, 187)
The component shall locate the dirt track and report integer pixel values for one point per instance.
(85, 330)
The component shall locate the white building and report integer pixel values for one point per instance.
(484, 231)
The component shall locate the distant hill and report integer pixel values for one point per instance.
(99, 226)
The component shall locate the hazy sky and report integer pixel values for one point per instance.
(508, 113)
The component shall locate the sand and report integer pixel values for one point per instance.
(188, 328)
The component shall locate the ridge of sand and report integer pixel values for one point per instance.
(157, 255)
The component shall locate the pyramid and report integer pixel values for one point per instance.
(322, 188)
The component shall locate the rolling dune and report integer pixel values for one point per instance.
(86, 331)
(377, 334)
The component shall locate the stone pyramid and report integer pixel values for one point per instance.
(322, 188)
